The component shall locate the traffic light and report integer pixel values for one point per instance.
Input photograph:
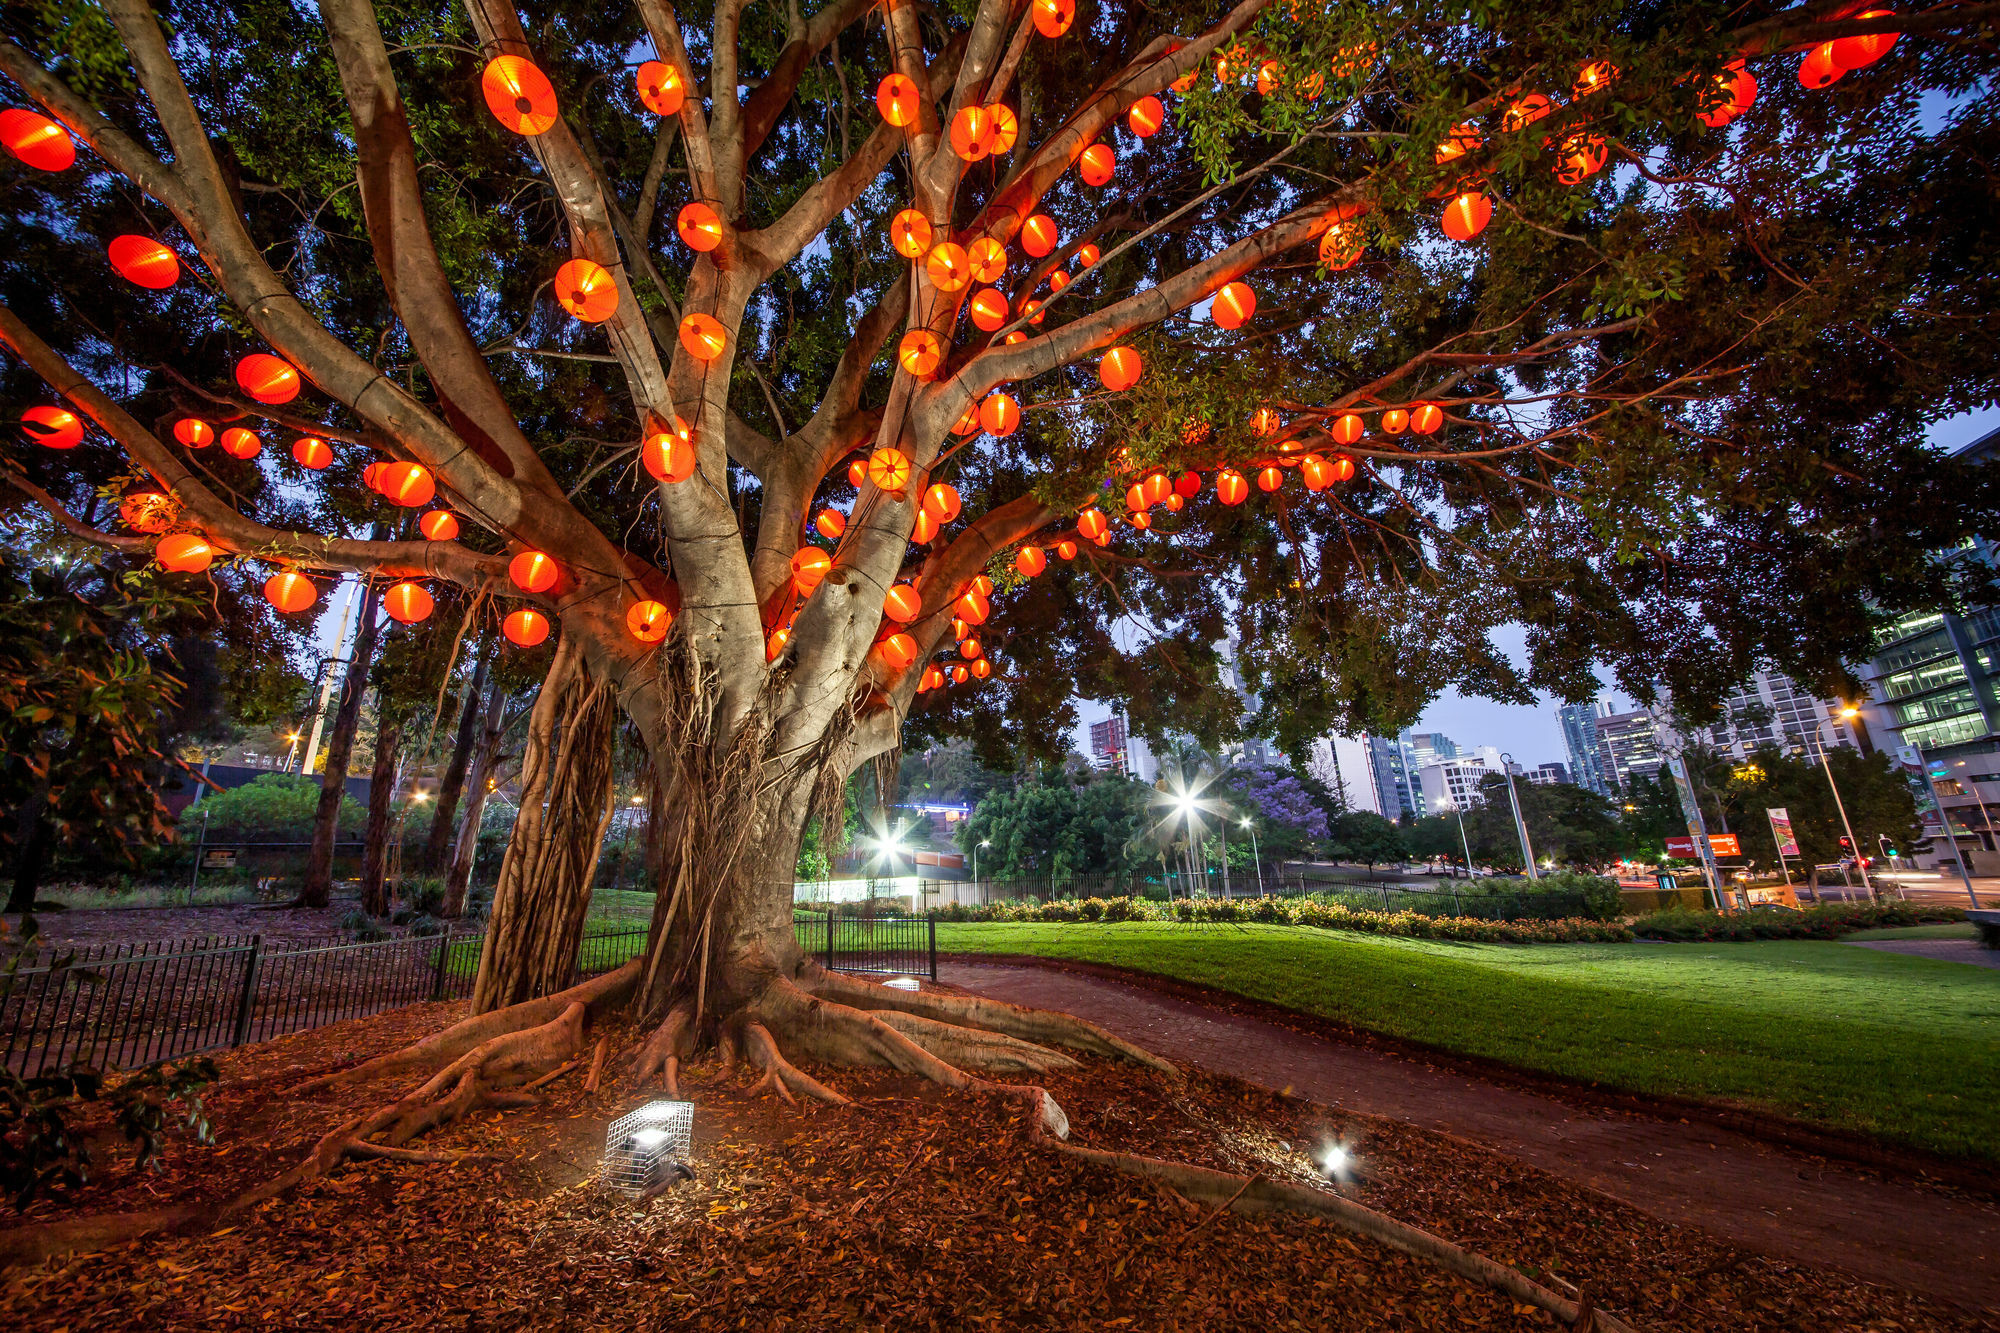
(1846, 844)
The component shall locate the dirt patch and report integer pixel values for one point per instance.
(910, 1209)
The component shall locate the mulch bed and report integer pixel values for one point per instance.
(913, 1209)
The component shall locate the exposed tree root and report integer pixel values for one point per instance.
(987, 1052)
(663, 1052)
(1040, 1026)
(779, 1073)
(597, 1059)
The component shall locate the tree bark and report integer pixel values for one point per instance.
(381, 793)
(34, 835)
(452, 785)
(486, 763)
(545, 881)
(317, 890)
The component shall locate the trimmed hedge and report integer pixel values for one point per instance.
(1829, 921)
(1295, 912)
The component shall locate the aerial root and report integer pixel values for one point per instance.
(663, 1052)
(779, 1073)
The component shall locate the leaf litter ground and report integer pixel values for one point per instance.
(911, 1209)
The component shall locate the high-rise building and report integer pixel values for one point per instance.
(1113, 749)
(1772, 710)
(1346, 765)
(1453, 784)
(1254, 751)
(1419, 749)
(1629, 745)
(1579, 728)
(1393, 778)
(1548, 775)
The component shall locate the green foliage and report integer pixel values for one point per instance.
(277, 807)
(1599, 893)
(1828, 921)
(1366, 837)
(43, 1147)
(1306, 911)
(1878, 799)
(1055, 828)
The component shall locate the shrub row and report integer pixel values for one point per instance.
(1829, 921)
(1294, 912)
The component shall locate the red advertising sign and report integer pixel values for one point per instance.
(1719, 844)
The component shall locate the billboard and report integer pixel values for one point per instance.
(1781, 829)
(1719, 844)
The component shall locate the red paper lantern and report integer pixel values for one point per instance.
(972, 133)
(831, 523)
(240, 443)
(988, 259)
(290, 591)
(941, 503)
(982, 585)
(146, 511)
(267, 379)
(1029, 561)
(1119, 369)
(1135, 496)
(896, 98)
(519, 95)
(704, 337)
(1039, 235)
(1270, 479)
(1315, 472)
(534, 571)
(407, 603)
(1266, 422)
(898, 650)
(1086, 255)
(1066, 549)
(1818, 69)
(989, 309)
(775, 643)
(526, 627)
(1526, 112)
(920, 352)
(1579, 157)
(902, 603)
(440, 525)
(999, 415)
(183, 553)
(1462, 140)
(53, 427)
(1739, 91)
(1343, 467)
(1140, 520)
(889, 469)
(1157, 488)
(1395, 421)
(36, 140)
(1426, 419)
(972, 607)
(670, 455)
(1098, 165)
(947, 267)
(1851, 53)
(408, 484)
(309, 451)
(1342, 246)
(1347, 429)
(143, 261)
(1466, 216)
(587, 290)
(193, 433)
(1092, 523)
(699, 227)
(1233, 304)
(857, 472)
(1053, 17)
(809, 568)
(924, 528)
(969, 649)
(1006, 128)
(1230, 488)
(648, 622)
(960, 675)
(910, 233)
(1146, 117)
(1188, 484)
(662, 88)
(1595, 77)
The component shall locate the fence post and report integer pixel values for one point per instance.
(444, 958)
(1384, 889)
(247, 1002)
(932, 923)
(829, 941)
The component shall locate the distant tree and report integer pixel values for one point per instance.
(277, 807)
(1056, 828)
(1435, 838)
(1651, 813)
(1290, 821)
(1361, 835)
(1879, 803)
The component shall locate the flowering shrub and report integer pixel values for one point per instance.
(1295, 912)
(1829, 921)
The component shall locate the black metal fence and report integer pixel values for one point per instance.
(887, 945)
(125, 1006)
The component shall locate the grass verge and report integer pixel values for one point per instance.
(1906, 1049)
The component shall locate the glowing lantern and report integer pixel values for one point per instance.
(1230, 488)
(1426, 419)
(898, 651)
(857, 472)
(959, 629)
(1086, 255)
(240, 443)
(1526, 112)
(1466, 216)
(896, 98)
(1053, 17)
(704, 337)
(1175, 503)
(982, 668)
(1098, 165)
(1156, 488)
(973, 609)
(1462, 140)
(371, 476)
(1739, 90)
(1135, 496)
(700, 227)
(193, 433)
(1347, 429)
(987, 259)
(1342, 246)
(440, 525)
(267, 379)
(1269, 75)
(1395, 421)
(889, 469)
(1006, 128)
(533, 571)
(587, 290)
(1270, 479)
(948, 267)
(970, 649)
(1119, 369)
(1140, 520)
(1266, 422)
(775, 644)
(1017, 336)
(36, 140)
(902, 603)
(1316, 473)
(982, 585)
(670, 455)
(407, 603)
(53, 427)
(309, 451)
(525, 627)
(1066, 549)
(1039, 235)
(920, 352)
(924, 528)
(1595, 77)
(1818, 69)
(407, 484)
(1029, 561)
(1233, 304)
(519, 95)
(183, 553)
(1033, 310)
(910, 233)
(1091, 522)
(662, 88)
(648, 621)
(146, 511)
(1057, 281)
(1851, 53)
(830, 524)
(989, 309)
(1579, 156)
(144, 261)
(960, 675)
(999, 415)
(941, 503)
(930, 680)
(809, 567)
(1343, 467)
(972, 133)
(1146, 117)
(1188, 484)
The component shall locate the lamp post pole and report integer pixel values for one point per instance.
(1256, 855)
(1226, 893)
(1944, 821)
(1458, 808)
(1860, 861)
(1520, 825)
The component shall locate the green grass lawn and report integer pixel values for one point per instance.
(1901, 1047)
(1950, 930)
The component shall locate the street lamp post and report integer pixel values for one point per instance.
(984, 842)
(1944, 822)
(1860, 861)
(1226, 893)
(1255, 855)
(1520, 825)
(1458, 808)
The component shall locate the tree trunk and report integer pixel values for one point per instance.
(452, 785)
(381, 793)
(545, 882)
(34, 835)
(458, 876)
(317, 890)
